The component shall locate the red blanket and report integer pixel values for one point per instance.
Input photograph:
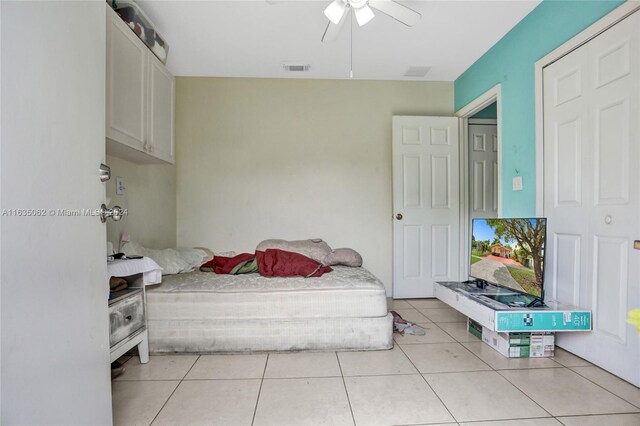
(224, 265)
(271, 263)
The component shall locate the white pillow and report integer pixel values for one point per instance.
(172, 261)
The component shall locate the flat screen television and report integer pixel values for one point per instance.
(510, 253)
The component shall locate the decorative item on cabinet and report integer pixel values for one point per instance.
(140, 98)
(135, 18)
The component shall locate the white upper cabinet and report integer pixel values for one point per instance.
(161, 111)
(140, 98)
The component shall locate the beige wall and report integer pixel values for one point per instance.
(292, 159)
(150, 197)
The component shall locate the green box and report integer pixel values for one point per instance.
(519, 339)
(520, 345)
(519, 351)
(474, 328)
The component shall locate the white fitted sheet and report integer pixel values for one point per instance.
(345, 292)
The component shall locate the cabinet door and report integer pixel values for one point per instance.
(125, 318)
(126, 81)
(161, 111)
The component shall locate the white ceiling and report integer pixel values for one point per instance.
(253, 38)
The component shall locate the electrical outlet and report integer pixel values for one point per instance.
(120, 185)
(517, 183)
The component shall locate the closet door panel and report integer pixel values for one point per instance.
(592, 191)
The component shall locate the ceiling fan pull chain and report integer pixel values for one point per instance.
(351, 45)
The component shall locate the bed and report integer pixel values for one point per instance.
(202, 312)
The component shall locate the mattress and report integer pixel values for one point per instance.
(304, 334)
(345, 293)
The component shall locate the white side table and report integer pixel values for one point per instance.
(128, 324)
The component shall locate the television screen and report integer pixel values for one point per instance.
(509, 252)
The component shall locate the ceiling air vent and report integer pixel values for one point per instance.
(293, 67)
(417, 71)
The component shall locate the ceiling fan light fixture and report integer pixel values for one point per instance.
(335, 11)
(363, 14)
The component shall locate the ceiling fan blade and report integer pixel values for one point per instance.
(363, 14)
(400, 13)
(336, 11)
(332, 31)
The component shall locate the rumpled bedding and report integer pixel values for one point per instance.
(172, 261)
(269, 263)
(317, 250)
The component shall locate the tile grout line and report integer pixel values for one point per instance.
(506, 420)
(596, 415)
(439, 343)
(586, 378)
(453, 337)
(174, 390)
(602, 387)
(344, 383)
(523, 392)
(430, 387)
(547, 368)
(481, 360)
(264, 372)
(456, 372)
(490, 369)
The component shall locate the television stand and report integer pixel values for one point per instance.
(505, 295)
(480, 283)
(501, 309)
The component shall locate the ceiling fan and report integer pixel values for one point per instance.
(362, 9)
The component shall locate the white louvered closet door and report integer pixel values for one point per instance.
(592, 192)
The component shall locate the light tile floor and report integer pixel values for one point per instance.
(445, 377)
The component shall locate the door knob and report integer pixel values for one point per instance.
(105, 172)
(115, 213)
(608, 220)
(399, 216)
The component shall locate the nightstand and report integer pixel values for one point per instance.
(127, 326)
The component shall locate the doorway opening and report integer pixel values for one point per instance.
(482, 166)
(480, 163)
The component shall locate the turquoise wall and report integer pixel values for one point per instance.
(489, 112)
(510, 62)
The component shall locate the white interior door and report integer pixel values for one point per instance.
(55, 324)
(483, 171)
(426, 204)
(592, 192)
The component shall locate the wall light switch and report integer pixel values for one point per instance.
(517, 183)
(120, 185)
